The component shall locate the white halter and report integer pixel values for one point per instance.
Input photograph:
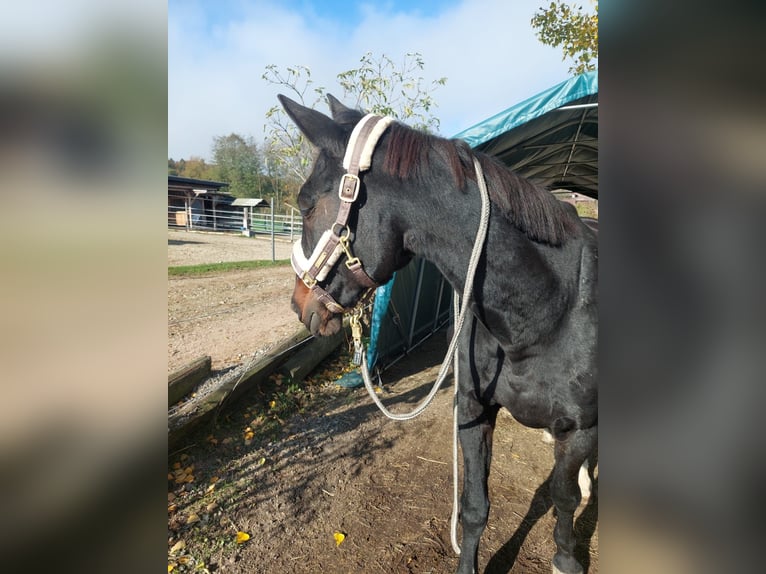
(335, 241)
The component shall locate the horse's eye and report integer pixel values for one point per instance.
(305, 203)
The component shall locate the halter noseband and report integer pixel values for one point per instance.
(335, 242)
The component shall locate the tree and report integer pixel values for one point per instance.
(576, 31)
(378, 85)
(238, 164)
(381, 87)
(288, 151)
(195, 167)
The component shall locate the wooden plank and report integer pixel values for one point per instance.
(193, 414)
(184, 380)
(300, 365)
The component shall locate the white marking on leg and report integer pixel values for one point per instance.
(548, 437)
(584, 482)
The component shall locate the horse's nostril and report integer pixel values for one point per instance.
(314, 323)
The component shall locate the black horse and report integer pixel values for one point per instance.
(529, 343)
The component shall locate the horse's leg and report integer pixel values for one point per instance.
(476, 425)
(570, 454)
(584, 477)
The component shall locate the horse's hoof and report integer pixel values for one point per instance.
(574, 567)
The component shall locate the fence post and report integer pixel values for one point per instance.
(273, 258)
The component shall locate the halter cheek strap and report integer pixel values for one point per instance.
(335, 241)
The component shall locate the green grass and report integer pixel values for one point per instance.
(224, 266)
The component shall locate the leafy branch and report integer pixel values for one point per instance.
(571, 28)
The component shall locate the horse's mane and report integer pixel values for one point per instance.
(531, 208)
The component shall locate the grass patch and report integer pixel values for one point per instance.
(224, 266)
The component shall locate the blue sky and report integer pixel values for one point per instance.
(218, 51)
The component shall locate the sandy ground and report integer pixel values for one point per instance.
(230, 316)
(193, 248)
(340, 466)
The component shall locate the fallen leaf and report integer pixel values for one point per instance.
(170, 567)
(193, 517)
(242, 537)
(339, 537)
(214, 479)
(272, 404)
(261, 461)
(178, 546)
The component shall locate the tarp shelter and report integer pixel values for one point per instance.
(551, 139)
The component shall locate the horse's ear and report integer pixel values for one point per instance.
(336, 107)
(320, 130)
(342, 114)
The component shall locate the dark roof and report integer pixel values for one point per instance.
(198, 182)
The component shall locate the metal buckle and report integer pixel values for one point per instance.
(344, 231)
(349, 187)
(308, 280)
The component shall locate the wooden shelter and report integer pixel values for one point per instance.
(193, 203)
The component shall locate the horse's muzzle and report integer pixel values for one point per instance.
(318, 319)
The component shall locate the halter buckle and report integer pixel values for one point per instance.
(349, 187)
(308, 280)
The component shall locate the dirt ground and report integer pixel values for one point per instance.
(339, 466)
(229, 316)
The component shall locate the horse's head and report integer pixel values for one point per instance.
(351, 242)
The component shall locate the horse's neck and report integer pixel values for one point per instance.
(521, 288)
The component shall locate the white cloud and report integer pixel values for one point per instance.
(486, 49)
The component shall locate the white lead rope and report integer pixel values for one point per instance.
(478, 246)
(455, 501)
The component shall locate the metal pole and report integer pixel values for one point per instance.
(416, 303)
(273, 257)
